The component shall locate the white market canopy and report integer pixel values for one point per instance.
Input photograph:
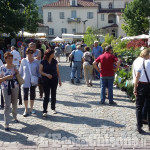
(71, 36)
(143, 36)
(58, 39)
(26, 34)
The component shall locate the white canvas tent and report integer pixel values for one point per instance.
(57, 39)
(138, 37)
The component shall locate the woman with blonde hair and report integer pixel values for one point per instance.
(141, 80)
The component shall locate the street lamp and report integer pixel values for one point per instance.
(84, 25)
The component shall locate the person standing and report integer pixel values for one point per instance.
(107, 72)
(16, 57)
(141, 87)
(57, 52)
(88, 66)
(76, 64)
(29, 67)
(10, 88)
(51, 77)
(96, 52)
(36, 52)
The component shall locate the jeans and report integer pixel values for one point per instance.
(106, 81)
(76, 66)
(142, 96)
(51, 85)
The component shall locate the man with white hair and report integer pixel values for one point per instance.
(16, 56)
(76, 64)
(97, 51)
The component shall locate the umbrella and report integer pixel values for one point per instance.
(57, 39)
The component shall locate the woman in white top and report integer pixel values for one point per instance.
(142, 88)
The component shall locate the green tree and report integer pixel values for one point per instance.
(135, 17)
(108, 38)
(16, 14)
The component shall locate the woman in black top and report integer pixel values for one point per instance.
(50, 76)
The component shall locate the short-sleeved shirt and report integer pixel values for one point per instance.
(78, 54)
(107, 61)
(140, 69)
(135, 67)
(68, 49)
(4, 71)
(97, 51)
(50, 68)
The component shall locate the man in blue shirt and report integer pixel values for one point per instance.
(97, 51)
(76, 64)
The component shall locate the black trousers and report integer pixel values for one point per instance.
(50, 87)
(143, 95)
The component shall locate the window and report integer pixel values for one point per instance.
(99, 6)
(73, 2)
(49, 17)
(51, 31)
(110, 6)
(73, 30)
(62, 16)
(102, 17)
(73, 14)
(90, 15)
(63, 30)
(126, 3)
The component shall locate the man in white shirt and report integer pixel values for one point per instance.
(16, 57)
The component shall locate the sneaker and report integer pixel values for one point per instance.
(33, 112)
(102, 103)
(77, 81)
(16, 121)
(44, 114)
(112, 103)
(54, 112)
(72, 81)
(25, 114)
(141, 131)
(7, 129)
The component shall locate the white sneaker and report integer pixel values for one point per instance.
(44, 114)
(54, 112)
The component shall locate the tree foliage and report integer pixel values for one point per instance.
(18, 14)
(108, 38)
(135, 17)
(90, 36)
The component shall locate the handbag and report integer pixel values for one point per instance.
(20, 79)
(72, 59)
(34, 79)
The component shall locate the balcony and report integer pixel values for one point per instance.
(112, 19)
(77, 20)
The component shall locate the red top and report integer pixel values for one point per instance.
(107, 61)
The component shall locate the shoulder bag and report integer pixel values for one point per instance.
(34, 79)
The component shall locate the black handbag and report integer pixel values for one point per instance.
(72, 59)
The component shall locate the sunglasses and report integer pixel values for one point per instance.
(30, 52)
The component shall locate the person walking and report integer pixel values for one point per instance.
(51, 77)
(10, 88)
(29, 69)
(141, 87)
(88, 66)
(76, 64)
(106, 71)
(68, 50)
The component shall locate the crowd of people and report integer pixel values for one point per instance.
(37, 63)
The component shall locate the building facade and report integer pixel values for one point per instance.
(73, 16)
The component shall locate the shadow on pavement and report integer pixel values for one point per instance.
(83, 120)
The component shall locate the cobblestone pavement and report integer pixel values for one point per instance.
(81, 122)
